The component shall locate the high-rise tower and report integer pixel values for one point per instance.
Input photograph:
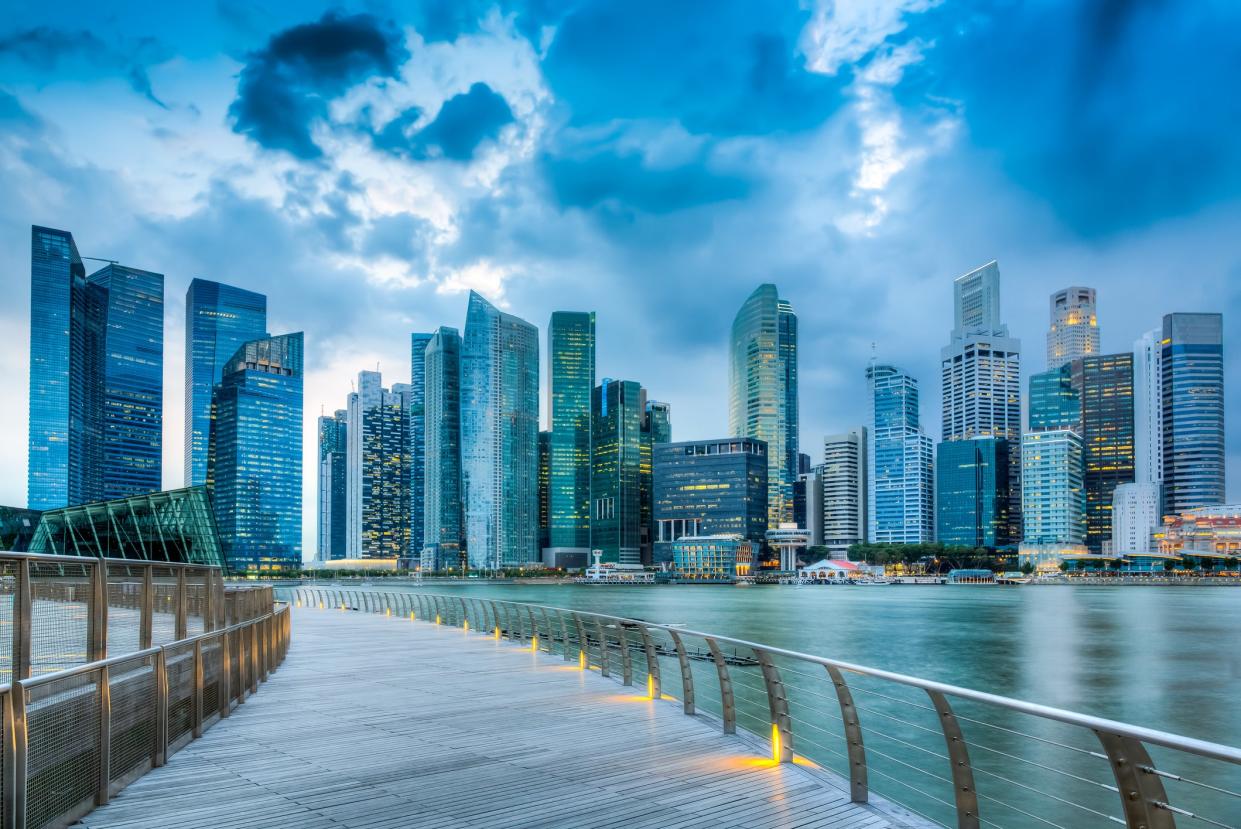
(443, 513)
(417, 440)
(900, 461)
(1074, 329)
(571, 360)
(1192, 376)
(763, 390)
(333, 456)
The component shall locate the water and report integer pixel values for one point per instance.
(1163, 657)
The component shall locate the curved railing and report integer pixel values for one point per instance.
(954, 755)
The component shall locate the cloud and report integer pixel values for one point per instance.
(286, 86)
(463, 123)
(843, 32)
(48, 49)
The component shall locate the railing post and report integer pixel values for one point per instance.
(208, 600)
(728, 707)
(102, 792)
(21, 625)
(253, 648)
(226, 675)
(182, 627)
(534, 627)
(958, 755)
(582, 642)
(603, 648)
(654, 684)
(21, 755)
(777, 701)
(97, 617)
(1140, 791)
(551, 634)
(146, 614)
(197, 702)
(687, 674)
(622, 637)
(159, 749)
(8, 786)
(242, 682)
(465, 614)
(858, 786)
(564, 635)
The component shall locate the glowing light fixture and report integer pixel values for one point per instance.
(650, 686)
(497, 631)
(581, 660)
(437, 618)
(466, 625)
(534, 643)
(388, 612)
(775, 742)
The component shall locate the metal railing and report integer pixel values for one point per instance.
(953, 755)
(78, 725)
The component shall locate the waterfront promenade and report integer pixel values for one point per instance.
(377, 721)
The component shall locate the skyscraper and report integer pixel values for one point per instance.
(659, 421)
(1135, 515)
(1192, 377)
(1104, 385)
(981, 374)
(971, 487)
(571, 359)
(219, 319)
(617, 413)
(380, 475)
(1054, 403)
(499, 436)
(333, 463)
(1148, 407)
(1054, 497)
(417, 440)
(845, 482)
(763, 390)
(900, 460)
(255, 455)
(367, 396)
(1074, 331)
(545, 479)
(443, 512)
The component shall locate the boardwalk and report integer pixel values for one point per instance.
(380, 722)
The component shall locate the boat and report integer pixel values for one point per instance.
(1014, 577)
(877, 581)
(611, 573)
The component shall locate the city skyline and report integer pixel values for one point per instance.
(668, 244)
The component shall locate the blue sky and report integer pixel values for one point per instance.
(366, 165)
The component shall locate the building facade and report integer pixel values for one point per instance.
(981, 375)
(616, 517)
(845, 484)
(1148, 408)
(333, 466)
(1192, 380)
(444, 516)
(1074, 330)
(1135, 517)
(971, 485)
(763, 400)
(1054, 402)
(712, 559)
(255, 455)
(379, 474)
(418, 442)
(219, 319)
(1104, 386)
(900, 460)
(1053, 491)
(499, 436)
(709, 487)
(571, 381)
(1212, 532)
(545, 480)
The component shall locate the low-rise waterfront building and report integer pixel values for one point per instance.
(1206, 532)
(712, 559)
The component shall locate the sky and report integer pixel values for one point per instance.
(366, 165)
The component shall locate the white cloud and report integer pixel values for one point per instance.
(842, 32)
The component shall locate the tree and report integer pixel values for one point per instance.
(1027, 568)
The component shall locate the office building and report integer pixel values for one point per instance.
(545, 479)
(1054, 403)
(763, 390)
(659, 421)
(571, 361)
(900, 460)
(1192, 377)
(1074, 331)
(981, 375)
(845, 485)
(417, 442)
(255, 455)
(709, 487)
(379, 469)
(1054, 498)
(366, 395)
(617, 415)
(1135, 517)
(444, 518)
(219, 319)
(1104, 386)
(499, 436)
(333, 475)
(1148, 408)
(971, 487)
(809, 493)
(712, 559)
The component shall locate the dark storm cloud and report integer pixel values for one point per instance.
(463, 123)
(1130, 118)
(48, 49)
(286, 86)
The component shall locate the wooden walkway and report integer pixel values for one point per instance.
(383, 723)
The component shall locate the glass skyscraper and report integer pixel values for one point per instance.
(571, 358)
(499, 436)
(659, 421)
(443, 522)
(255, 455)
(545, 479)
(219, 319)
(971, 485)
(379, 474)
(57, 349)
(1054, 508)
(417, 440)
(617, 415)
(709, 487)
(1104, 385)
(763, 390)
(1074, 329)
(333, 454)
(1054, 403)
(900, 460)
(1193, 411)
(981, 375)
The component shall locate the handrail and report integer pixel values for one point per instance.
(584, 636)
